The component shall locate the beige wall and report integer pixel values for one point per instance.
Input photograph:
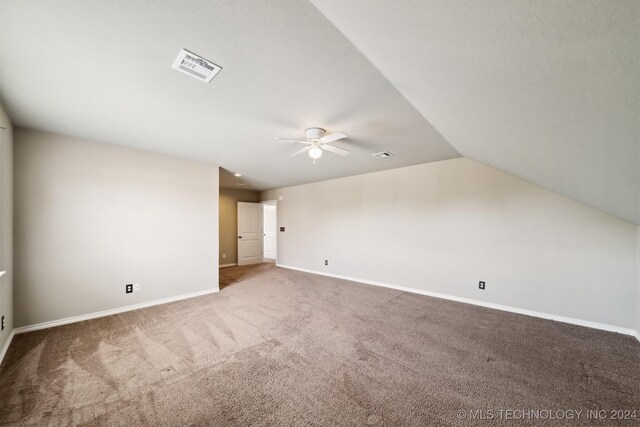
(638, 282)
(638, 269)
(229, 221)
(90, 218)
(6, 226)
(442, 227)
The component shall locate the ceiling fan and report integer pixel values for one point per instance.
(317, 142)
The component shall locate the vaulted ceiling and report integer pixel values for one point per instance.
(101, 70)
(546, 91)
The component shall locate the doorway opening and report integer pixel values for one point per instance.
(270, 231)
(229, 198)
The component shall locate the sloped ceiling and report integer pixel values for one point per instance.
(545, 90)
(101, 70)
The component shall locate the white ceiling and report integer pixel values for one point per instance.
(547, 91)
(229, 180)
(101, 70)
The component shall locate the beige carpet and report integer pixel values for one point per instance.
(278, 347)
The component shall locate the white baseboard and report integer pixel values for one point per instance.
(6, 346)
(563, 319)
(228, 265)
(80, 318)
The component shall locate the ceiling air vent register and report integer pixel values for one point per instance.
(382, 155)
(196, 66)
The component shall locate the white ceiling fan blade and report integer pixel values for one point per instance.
(291, 140)
(304, 150)
(333, 137)
(335, 150)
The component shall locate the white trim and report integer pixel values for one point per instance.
(228, 265)
(6, 346)
(563, 319)
(80, 318)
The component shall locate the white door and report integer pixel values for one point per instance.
(249, 233)
(269, 231)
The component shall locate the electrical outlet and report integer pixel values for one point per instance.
(224, 256)
(326, 262)
(128, 288)
(136, 287)
(3, 325)
(481, 285)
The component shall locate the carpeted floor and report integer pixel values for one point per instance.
(279, 347)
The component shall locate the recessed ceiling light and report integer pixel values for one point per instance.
(240, 183)
(237, 174)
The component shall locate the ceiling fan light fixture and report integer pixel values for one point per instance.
(317, 142)
(315, 152)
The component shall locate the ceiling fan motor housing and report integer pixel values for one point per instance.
(313, 134)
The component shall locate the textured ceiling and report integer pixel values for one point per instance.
(545, 90)
(101, 70)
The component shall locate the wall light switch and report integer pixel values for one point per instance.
(136, 287)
